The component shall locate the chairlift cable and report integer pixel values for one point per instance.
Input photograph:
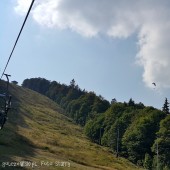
(6, 97)
(18, 37)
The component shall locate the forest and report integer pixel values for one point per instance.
(131, 130)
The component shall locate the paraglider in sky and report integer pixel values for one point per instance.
(154, 84)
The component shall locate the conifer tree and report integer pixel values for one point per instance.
(131, 102)
(165, 107)
(73, 83)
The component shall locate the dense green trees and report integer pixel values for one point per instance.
(135, 130)
(40, 85)
(163, 143)
(95, 129)
(137, 127)
(78, 104)
(140, 135)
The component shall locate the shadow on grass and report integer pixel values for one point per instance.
(14, 147)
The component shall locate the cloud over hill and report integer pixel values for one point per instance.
(148, 19)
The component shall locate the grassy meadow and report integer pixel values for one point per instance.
(39, 136)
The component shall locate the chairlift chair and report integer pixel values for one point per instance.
(5, 104)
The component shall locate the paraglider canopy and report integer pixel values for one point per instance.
(154, 84)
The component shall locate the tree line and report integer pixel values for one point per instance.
(132, 130)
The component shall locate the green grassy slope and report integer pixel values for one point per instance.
(36, 132)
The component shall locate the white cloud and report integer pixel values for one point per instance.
(118, 19)
(22, 6)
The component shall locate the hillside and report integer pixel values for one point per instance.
(37, 132)
(131, 130)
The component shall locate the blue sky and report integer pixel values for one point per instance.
(113, 54)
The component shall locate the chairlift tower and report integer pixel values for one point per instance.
(157, 156)
(117, 143)
(100, 136)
